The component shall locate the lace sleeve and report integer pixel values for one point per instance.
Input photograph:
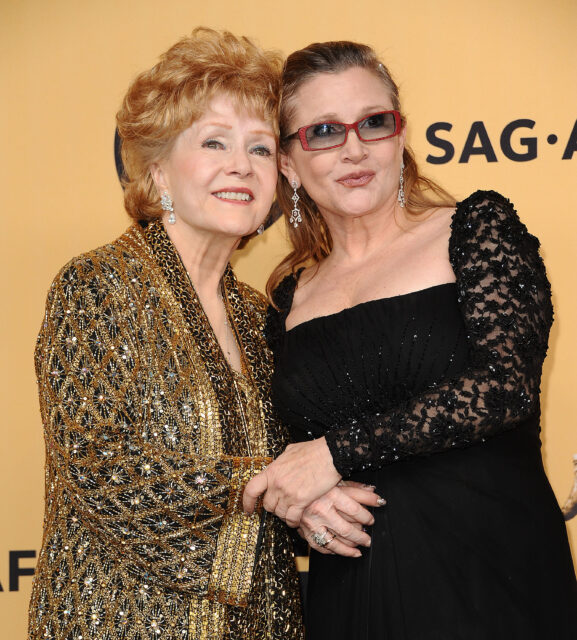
(504, 296)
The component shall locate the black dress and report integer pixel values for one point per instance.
(433, 396)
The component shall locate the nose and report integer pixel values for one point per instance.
(354, 149)
(240, 163)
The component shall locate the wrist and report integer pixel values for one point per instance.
(327, 457)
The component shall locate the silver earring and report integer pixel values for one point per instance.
(260, 230)
(295, 218)
(166, 204)
(401, 195)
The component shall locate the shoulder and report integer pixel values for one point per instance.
(103, 268)
(111, 258)
(489, 243)
(277, 312)
(85, 289)
(486, 208)
(283, 294)
(488, 217)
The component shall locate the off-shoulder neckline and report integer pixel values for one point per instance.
(290, 282)
(359, 305)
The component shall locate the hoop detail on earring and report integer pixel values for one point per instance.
(401, 194)
(295, 218)
(166, 204)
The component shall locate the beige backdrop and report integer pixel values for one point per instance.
(65, 65)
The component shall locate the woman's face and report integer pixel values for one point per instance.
(221, 172)
(360, 177)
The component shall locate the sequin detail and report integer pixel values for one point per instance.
(149, 442)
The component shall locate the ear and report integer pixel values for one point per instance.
(402, 138)
(287, 168)
(159, 178)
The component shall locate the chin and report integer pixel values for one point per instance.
(359, 210)
(358, 203)
(238, 230)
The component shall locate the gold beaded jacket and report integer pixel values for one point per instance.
(150, 439)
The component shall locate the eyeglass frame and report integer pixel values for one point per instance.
(301, 131)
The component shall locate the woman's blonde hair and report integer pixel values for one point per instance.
(311, 240)
(165, 100)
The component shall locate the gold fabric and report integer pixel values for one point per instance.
(150, 439)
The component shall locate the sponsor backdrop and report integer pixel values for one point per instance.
(490, 94)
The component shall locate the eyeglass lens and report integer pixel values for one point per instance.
(332, 134)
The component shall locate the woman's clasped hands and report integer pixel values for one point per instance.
(303, 488)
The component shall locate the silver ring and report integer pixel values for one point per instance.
(320, 539)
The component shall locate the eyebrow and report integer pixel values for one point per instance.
(263, 132)
(222, 125)
(366, 110)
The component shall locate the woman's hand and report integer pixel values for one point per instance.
(299, 476)
(340, 513)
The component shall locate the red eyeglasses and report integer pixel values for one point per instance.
(329, 135)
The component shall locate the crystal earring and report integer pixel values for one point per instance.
(260, 230)
(166, 204)
(295, 218)
(401, 194)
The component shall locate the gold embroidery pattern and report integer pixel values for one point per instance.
(231, 572)
(147, 434)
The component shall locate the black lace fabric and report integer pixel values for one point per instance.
(505, 299)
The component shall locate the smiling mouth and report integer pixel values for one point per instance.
(239, 196)
(356, 179)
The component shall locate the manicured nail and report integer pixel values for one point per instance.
(357, 554)
(381, 502)
(369, 487)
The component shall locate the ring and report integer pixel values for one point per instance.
(320, 539)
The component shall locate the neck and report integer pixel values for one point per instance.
(357, 238)
(204, 256)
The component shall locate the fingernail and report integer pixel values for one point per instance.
(381, 502)
(368, 544)
(358, 554)
(369, 487)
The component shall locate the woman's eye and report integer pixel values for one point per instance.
(375, 121)
(212, 144)
(261, 150)
(323, 130)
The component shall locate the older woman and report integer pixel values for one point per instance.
(154, 376)
(408, 350)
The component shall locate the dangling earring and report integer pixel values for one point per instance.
(166, 204)
(260, 230)
(401, 195)
(295, 218)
